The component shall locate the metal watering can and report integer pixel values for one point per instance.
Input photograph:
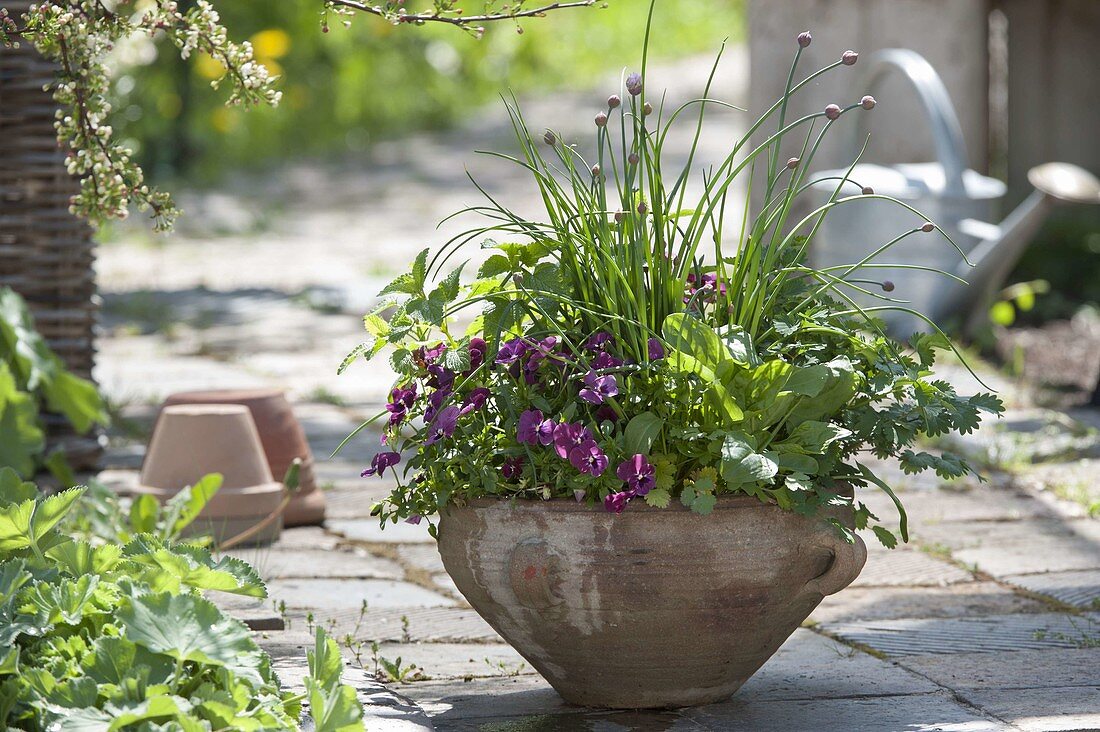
(958, 200)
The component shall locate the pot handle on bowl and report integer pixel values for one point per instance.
(533, 574)
(848, 560)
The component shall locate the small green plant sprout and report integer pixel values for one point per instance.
(503, 668)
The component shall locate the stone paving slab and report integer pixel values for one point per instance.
(971, 599)
(1073, 588)
(319, 563)
(917, 713)
(1010, 670)
(1022, 547)
(305, 537)
(1042, 710)
(368, 530)
(353, 498)
(525, 704)
(397, 625)
(326, 595)
(1022, 436)
(422, 556)
(956, 502)
(459, 660)
(1072, 482)
(991, 634)
(908, 567)
(257, 614)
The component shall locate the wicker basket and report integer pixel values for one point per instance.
(46, 253)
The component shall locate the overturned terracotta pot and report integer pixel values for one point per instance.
(653, 608)
(192, 440)
(283, 440)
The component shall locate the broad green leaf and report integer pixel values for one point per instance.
(23, 438)
(62, 602)
(840, 386)
(333, 706)
(160, 707)
(808, 381)
(814, 437)
(76, 398)
(692, 337)
(184, 507)
(29, 523)
(740, 346)
(658, 497)
(144, 512)
(457, 359)
(186, 628)
(795, 462)
(741, 464)
(494, 266)
(14, 489)
(79, 557)
(363, 350)
(447, 290)
(9, 662)
(704, 503)
(114, 660)
(184, 565)
(640, 433)
(885, 536)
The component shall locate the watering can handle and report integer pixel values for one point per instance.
(946, 131)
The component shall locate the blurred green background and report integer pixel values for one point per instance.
(351, 87)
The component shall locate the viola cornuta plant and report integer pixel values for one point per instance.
(646, 343)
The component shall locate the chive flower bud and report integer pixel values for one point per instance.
(832, 111)
(849, 58)
(619, 217)
(887, 286)
(642, 208)
(868, 191)
(793, 163)
(614, 101)
(804, 39)
(632, 158)
(596, 170)
(601, 119)
(634, 84)
(549, 137)
(928, 226)
(868, 102)
(647, 109)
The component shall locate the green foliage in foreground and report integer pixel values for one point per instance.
(108, 636)
(33, 380)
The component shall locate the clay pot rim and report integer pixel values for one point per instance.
(166, 493)
(224, 395)
(725, 502)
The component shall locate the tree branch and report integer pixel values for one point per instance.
(460, 20)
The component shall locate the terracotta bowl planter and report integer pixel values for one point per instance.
(653, 608)
(283, 440)
(190, 441)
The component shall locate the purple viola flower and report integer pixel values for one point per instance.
(570, 435)
(401, 398)
(426, 356)
(638, 474)
(656, 350)
(443, 425)
(527, 432)
(476, 399)
(435, 402)
(380, 462)
(588, 458)
(616, 502)
(512, 468)
(511, 352)
(598, 388)
(598, 341)
(605, 360)
(440, 377)
(414, 519)
(477, 353)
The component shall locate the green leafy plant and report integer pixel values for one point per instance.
(643, 343)
(105, 635)
(33, 380)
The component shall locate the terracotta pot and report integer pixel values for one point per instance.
(190, 441)
(653, 608)
(283, 440)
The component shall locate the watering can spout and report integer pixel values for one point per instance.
(1001, 246)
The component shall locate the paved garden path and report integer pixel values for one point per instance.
(989, 620)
